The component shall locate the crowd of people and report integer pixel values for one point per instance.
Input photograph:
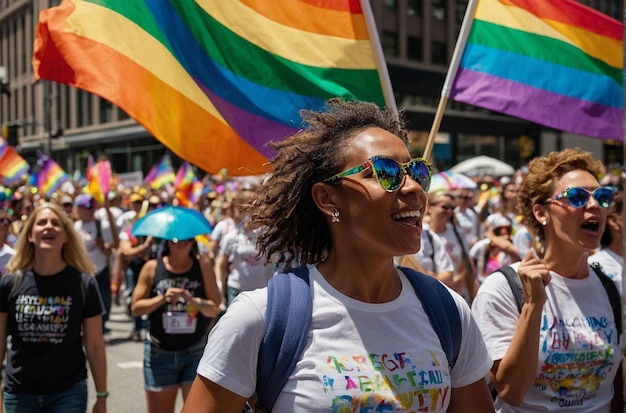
(347, 203)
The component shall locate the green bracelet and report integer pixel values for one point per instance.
(102, 394)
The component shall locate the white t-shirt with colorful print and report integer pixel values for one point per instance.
(359, 356)
(578, 346)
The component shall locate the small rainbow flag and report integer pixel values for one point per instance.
(51, 176)
(226, 74)
(12, 166)
(557, 63)
(188, 187)
(161, 174)
(98, 179)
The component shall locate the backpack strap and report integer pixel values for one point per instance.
(516, 285)
(614, 297)
(441, 310)
(287, 321)
(98, 224)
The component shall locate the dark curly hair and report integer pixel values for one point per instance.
(538, 183)
(293, 226)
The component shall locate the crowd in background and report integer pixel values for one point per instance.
(468, 234)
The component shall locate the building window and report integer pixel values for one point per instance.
(106, 111)
(414, 48)
(439, 10)
(390, 4)
(461, 6)
(414, 7)
(83, 109)
(390, 43)
(439, 54)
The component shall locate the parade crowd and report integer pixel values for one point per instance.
(351, 205)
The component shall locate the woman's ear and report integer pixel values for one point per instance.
(324, 197)
(541, 213)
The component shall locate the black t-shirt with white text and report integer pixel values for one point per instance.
(45, 315)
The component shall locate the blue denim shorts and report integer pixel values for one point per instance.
(70, 400)
(170, 368)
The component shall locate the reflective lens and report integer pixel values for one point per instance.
(390, 173)
(578, 197)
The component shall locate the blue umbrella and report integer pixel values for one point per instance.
(172, 223)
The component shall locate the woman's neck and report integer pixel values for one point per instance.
(47, 264)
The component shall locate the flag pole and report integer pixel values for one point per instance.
(379, 57)
(459, 48)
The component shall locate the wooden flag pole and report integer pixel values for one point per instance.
(435, 127)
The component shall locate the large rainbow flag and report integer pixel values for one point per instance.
(557, 63)
(215, 80)
(12, 166)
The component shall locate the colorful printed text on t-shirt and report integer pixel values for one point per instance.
(386, 383)
(42, 319)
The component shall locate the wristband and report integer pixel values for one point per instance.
(104, 394)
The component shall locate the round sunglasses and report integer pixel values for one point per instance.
(390, 173)
(578, 197)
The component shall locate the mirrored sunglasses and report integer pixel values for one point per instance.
(5, 221)
(390, 173)
(578, 197)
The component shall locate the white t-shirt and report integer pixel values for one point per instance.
(578, 350)
(247, 272)
(5, 255)
(89, 233)
(468, 223)
(433, 255)
(220, 230)
(355, 353)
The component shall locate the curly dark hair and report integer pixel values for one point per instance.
(538, 184)
(294, 228)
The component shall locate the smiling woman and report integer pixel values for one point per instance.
(51, 265)
(344, 198)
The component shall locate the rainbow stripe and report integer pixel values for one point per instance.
(556, 63)
(161, 174)
(188, 187)
(218, 77)
(12, 166)
(51, 176)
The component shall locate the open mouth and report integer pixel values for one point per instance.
(408, 218)
(591, 225)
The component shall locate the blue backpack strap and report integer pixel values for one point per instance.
(287, 321)
(441, 310)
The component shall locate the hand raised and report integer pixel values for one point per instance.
(535, 276)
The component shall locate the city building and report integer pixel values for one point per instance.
(418, 38)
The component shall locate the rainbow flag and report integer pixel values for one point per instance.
(12, 166)
(557, 63)
(188, 187)
(51, 176)
(161, 174)
(225, 76)
(99, 178)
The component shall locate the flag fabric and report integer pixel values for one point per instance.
(557, 63)
(51, 176)
(215, 80)
(98, 179)
(161, 174)
(12, 166)
(188, 187)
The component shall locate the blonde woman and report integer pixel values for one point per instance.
(50, 306)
